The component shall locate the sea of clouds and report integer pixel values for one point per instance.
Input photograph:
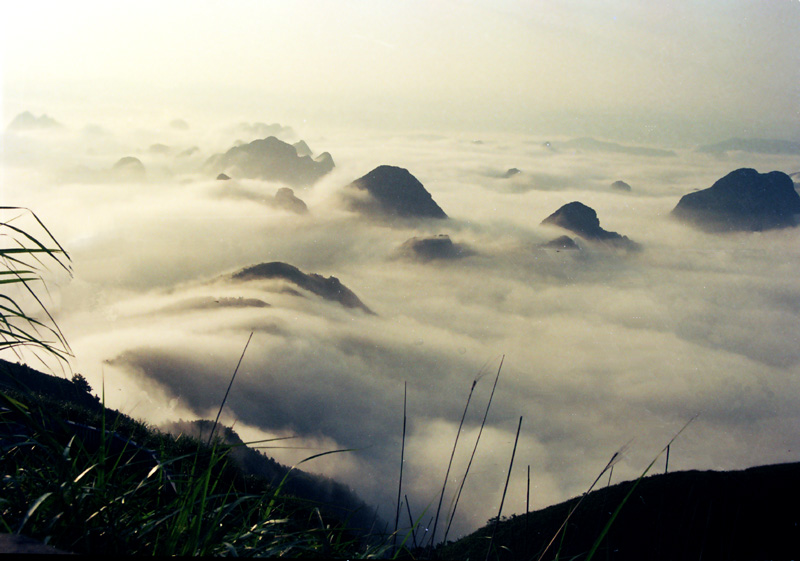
(602, 348)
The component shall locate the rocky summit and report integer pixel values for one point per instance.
(743, 200)
(329, 288)
(273, 160)
(582, 220)
(392, 191)
(433, 248)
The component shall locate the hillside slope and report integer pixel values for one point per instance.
(749, 514)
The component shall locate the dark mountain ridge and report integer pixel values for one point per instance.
(582, 220)
(743, 200)
(329, 288)
(709, 515)
(273, 160)
(390, 191)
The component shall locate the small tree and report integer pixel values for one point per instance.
(81, 383)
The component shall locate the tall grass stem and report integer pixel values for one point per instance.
(505, 489)
(450, 463)
(224, 399)
(474, 449)
(402, 459)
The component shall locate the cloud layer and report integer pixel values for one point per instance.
(601, 348)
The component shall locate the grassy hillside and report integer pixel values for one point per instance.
(750, 514)
(91, 480)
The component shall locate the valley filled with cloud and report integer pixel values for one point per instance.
(605, 345)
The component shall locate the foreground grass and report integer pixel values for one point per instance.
(84, 481)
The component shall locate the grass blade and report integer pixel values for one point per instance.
(505, 489)
(474, 449)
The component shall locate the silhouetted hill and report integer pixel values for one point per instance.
(129, 168)
(263, 130)
(391, 191)
(302, 148)
(752, 145)
(582, 220)
(433, 248)
(28, 121)
(286, 199)
(331, 496)
(271, 159)
(329, 288)
(742, 200)
(736, 515)
(561, 243)
(21, 378)
(621, 186)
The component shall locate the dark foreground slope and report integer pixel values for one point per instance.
(67, 410)
(738, 515)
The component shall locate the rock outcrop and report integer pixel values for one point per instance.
(439, 247)
(743, 200)
(391, 191)
(582, 220)
(273, 160)
(286, 200)
(329, 288)
(561, 243)
(302, 148)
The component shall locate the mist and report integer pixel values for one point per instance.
(602, 347)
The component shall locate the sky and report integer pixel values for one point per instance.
(624, 68)
(604, 350)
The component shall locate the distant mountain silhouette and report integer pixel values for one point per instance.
(263, 130)
(161, 149)
(592, 145)
(433, 248)
(753, 145)
(273, 160)
(392, 192)
(743, 200)
(179, 124)
(223, 177)
(188, 152)
(621, 186)
(28, 121)
(129, 168)
(561, 243)
(302, 148)
(582, 220)
(328, 288)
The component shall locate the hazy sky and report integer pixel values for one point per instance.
(640, 69)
